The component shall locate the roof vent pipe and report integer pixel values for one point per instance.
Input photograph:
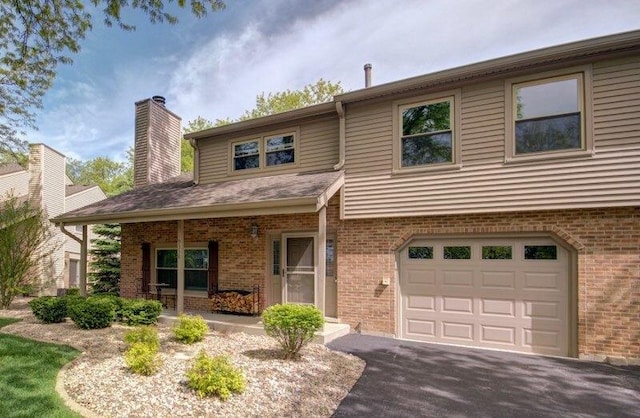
(367, 75)
(160, 100)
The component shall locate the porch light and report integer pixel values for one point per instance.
(254, 231)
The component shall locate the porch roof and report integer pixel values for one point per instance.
(180, 198)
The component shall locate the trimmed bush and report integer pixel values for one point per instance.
(141, 358)
(92, 313)
(49, 309)
(190, 329)
(115, 300)
(143, 334)
(140, 311)
(293, 326)
(215, 376)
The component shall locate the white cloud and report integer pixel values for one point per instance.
(216, 68)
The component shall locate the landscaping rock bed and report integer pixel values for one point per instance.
(100, 381)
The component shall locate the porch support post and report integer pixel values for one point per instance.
(180, 284)
(83, 261)
(321, 257)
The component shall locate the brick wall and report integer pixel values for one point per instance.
(606, 241)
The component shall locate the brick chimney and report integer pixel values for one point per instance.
(157, 142)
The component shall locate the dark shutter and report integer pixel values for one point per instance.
(213, 268)
(146, 266)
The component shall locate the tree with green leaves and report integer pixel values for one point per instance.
(319, 92)
(38, 35)
(104, 276)
(112, 176)
(26, 241)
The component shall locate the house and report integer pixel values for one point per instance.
(46, 184)
(493, 205)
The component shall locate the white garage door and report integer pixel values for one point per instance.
(508, 294)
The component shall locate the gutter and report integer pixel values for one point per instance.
(343, 133)
(196, 160)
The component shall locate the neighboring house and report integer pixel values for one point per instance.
(493, 205)
(49, 188)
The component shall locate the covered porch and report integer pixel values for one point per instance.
(275, 234)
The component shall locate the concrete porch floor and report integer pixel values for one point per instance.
(253, 324)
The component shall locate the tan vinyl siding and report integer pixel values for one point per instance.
(141, 149)
(317, 148)
(369, 146)
(164, 145)
(485, 183)
(616, 104)
(16, 184)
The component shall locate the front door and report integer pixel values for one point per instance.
(299, 280)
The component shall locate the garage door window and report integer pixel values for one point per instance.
(497, 252)
(424, 253)
(540, 252)
(457, 253)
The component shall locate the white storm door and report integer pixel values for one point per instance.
(299, 279)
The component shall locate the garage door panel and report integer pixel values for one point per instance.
(498, 335)
(458, 278)
(541, 310)
(512, 303)
(498, 280)
(457, 305)
(427, 303)
(421, 277)
(539, 338)
(421, 328)
(542, 281)
(498, 307)
(457, 331)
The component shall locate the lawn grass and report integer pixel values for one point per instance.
(28, 371)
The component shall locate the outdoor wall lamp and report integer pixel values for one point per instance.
(254, 231)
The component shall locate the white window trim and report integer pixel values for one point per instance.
(262, 149)
(583, 74)
(455, 97)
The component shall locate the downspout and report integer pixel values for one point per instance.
(196, 161)
(83, 255)
(342, 135)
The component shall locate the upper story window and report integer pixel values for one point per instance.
(280, 150)
(427, 137)
(246, 155)
(425, 133)
(548, 115)
(263, 152)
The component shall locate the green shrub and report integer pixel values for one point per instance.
(140, 311)
(115, 300)
(49, 309)
(71, 299)
(142, 359)
(215, 376)
(293, 326)
(73, 291)
(144, 334)
(190, 329)
(91, 313)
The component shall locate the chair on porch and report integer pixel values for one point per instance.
(142, 290)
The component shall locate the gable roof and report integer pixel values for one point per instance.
(10, 168)
(180, 198)
(72, 189)
(553, 57)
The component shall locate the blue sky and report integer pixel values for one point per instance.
(214, 67)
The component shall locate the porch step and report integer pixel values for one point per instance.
(253, 325)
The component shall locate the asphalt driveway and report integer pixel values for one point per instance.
(406, 379)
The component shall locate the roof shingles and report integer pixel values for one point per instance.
(180, 193)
